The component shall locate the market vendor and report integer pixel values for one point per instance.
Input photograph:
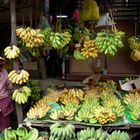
(6, 106)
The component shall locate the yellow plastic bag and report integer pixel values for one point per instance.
(89, 11)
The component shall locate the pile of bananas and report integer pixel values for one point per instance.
(60, 131)
(11, 52)
(90, 49)
(59, 40)
(21, 95)
(20, 133)
(104, 115)
(91, 133)
(31, 37)
(109, 42)
(78, 55)
(18, 77)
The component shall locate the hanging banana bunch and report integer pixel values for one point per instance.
(90, 49)
(109, 42)
(31, 37)
(134, 44)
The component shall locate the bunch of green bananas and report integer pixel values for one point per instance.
(118, 135)
(60, 131)
(20, 133)
(21, 95)
(78, 55)
(134, 42)
(91, 133)
(47, 33)
(109, 42)
(86, 112)
(59, 40)
(31, 37)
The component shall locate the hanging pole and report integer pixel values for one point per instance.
(14, 42)
(13, 21)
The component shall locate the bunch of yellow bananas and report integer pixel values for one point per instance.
(31, 37)
(104, 115)
(18, 77)
(131, 97)
(76, 93)
(21, 95)
(90, 49)
(11, 52)
(37, 113)
(65, 98)
(135, 55)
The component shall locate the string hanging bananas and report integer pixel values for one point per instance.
(59, 40)
(21, 95)
(11, 52)
(134, 42)
(109, 42)
(31, 37)
(18, 77)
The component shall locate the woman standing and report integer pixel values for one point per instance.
(6, 106)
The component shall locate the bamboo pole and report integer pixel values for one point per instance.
(14, 42)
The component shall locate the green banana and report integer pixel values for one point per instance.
(32, 134)
(77, 55)
(9, 134)
(21, 132)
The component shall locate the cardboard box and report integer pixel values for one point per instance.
(28, 65)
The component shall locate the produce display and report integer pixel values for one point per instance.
(109, 42)
(61, 131)
(96, 104)
(11, 52)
